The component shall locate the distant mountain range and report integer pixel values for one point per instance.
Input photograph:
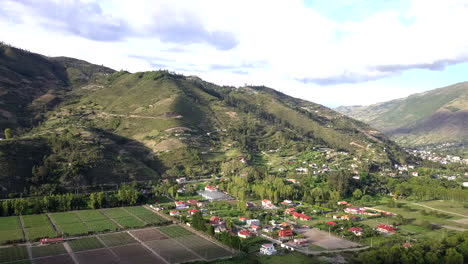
(434, 117)
(77, 124)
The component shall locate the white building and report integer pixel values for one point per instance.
(253, 222)
(268, 249)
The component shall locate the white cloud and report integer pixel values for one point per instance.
(278, 43)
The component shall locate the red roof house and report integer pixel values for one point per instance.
(210, 188)
(387, 229)
(244, 234)
(301, 216)
(192, 211)
(289, 210)
(192, 202)
(357, 231)
(331, 223)
(285, 233)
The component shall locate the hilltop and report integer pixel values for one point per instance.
(435, 117)
(83, 125)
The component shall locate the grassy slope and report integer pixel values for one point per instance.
(435, 116)
(116, 126)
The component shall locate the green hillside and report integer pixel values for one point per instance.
(433, 117)
(111, 127)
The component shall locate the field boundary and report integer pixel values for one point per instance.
(147, 247)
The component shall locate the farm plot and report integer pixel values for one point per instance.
(69, 224)
(117, 239)
(101, 256)
(10, 230)
(84, 244)
(172, 251)
(96, 221)
(61, 259)
(148, 234)
(147, 216)
(37, 227)
(13, 254)
(175, 231)
(136, 254)
(123, 218)
(49, 250)
(204, 248)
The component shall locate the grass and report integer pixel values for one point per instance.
(175, 231)
(146, 215)
(65, 218)
(115, 212)
(74, 229)
(49, 250)
(86, 243)
(117, 239)
(10, 229)
(129, 222)
(11, 254)
(449, 206)
(90, 215)
(102, 226)
(38, 226)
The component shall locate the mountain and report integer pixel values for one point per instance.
(434, 117)
(103, 127)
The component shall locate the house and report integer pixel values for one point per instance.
(268, 249)
(242, 220)
(174, 213)
(249, 205)
(304, 217)
(244, 234)
(302, 170)
(294, 181)
(200, 204)
(255, 227)
(192, 211)
(415, 174)
(45, 241)
(300, 241)
(342, 203)
(357, 231)
(220, 229)
(181, 205)
(386, 229)
(267, 229)
(214, 220)
(181, 180)
(210, 188)
(156, 207)
(287, 202)
(289, 211)
(251, 222)
(285, 233)
(192, 202)
(284, 225)
(267, 204)
(406, 245)
(355, 210)
(331, 223)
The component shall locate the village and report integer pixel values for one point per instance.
(286, 226)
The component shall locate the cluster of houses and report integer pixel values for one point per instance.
(432, 156)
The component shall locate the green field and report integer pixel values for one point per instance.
(117, 239)
(90, 215)
(13, 254)
(65, 218)
(175, 231)
(37, 227)
(123, 218)
(449, 206)
(49, 250)
(86, 243)
(147, 216)
(82, 223)
(10, 229)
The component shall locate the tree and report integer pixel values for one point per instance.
(211, 230)
(357, 194)
(8, 133)
(453, 257)
(198, 222)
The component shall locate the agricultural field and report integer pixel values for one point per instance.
(11, 254)
(123, 218)
(10, 229)
(149, 245)
(175, 231)
(146, 215)
(202, 247)
(37, 227)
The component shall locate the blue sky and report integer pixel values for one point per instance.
(346, 52)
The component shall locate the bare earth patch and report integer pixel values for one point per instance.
(326, 241)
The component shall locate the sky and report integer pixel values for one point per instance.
(332, 52)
